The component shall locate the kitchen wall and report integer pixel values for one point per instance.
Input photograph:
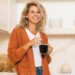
(63, 53)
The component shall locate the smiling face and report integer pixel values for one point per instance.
(34, 15)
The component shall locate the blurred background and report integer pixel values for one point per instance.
(60, 29)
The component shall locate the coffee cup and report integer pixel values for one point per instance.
(43, 48)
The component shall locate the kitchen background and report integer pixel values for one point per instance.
(60, 29)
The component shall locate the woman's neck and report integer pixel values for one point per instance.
(32, 28)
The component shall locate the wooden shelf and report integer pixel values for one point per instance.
(4, 32)
(60, 31)
(7, 73)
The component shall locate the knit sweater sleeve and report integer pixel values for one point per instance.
(15, 53)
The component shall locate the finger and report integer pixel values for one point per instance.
(49, 44)
(50, 48)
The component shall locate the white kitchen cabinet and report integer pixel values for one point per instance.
(4, 14)
(8, 14)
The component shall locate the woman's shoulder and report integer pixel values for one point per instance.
(17, 30)
(43, 33)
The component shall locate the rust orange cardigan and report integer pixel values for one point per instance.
(16, 53)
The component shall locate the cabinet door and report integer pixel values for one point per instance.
(12, 14)
(8, 14)
(4, 14)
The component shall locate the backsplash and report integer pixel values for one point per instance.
(63, 53)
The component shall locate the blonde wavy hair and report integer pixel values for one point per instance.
(24, 20)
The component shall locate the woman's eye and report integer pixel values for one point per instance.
(32, 11)
(38, 12)
(35, 12)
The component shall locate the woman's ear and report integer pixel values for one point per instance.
(26, 16)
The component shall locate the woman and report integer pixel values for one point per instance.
(22, 49)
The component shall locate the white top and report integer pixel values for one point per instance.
(36, 51)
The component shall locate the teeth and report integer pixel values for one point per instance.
(35, 18)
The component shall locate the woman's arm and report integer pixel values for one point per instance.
(15, 52)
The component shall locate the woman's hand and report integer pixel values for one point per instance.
(50, 49)
(35, 40)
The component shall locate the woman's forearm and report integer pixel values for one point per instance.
(26, 46)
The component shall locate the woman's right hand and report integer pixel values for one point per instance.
(35, 40)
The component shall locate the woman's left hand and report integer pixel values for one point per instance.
(50, 49)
